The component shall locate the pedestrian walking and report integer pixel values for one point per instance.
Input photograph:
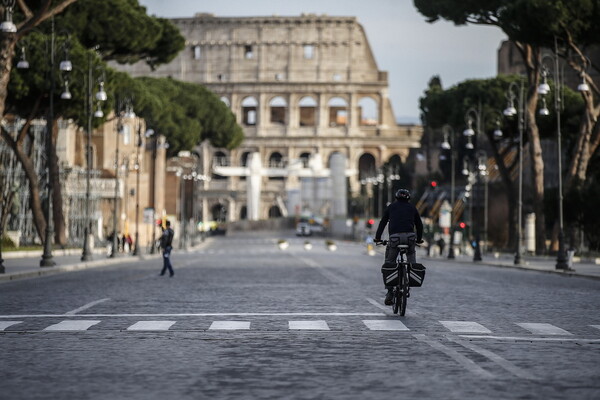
(166, 244)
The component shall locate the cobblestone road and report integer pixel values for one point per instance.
(244, 319)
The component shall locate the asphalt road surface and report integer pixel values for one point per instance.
(242, 318)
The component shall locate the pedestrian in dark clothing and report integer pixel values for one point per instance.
(166, 244)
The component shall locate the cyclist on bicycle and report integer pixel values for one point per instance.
(404, 220)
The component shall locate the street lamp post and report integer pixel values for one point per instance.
(100, 96)
(449, 133)
(509, 112)
(65, 66)
(136, 250)
(470, 133)
(543, 89)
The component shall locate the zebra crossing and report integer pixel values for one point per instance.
(371, 324)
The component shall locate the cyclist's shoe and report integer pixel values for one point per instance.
(389, 298)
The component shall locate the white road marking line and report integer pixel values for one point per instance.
(385, 325)
(543, 329)
(465, 327)
(151, 326)
(595, 326)
(6, 324)
(301, 314)
(85, 307)
(530, 339)
(308, 325)
(230, 325)
(376, 304)
(507, 365)
(456, 356)
(80, 325)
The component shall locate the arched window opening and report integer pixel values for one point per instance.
(308, 111)
(244, 162)
(244, 212)
(276, 161)
(278, 107)
(366, 166)
(219, 160)
(249, 106)
(304, 157)
(274, 212)
(338, 112)
(219, 213)
(368, 111)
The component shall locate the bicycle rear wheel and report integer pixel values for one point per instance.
(396, 302)
(402, 294)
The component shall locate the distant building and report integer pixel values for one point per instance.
(302, 88)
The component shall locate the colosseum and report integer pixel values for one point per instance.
(303, 88)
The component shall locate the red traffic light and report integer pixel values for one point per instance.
(462, 225)
(433, 184)
(371, 221)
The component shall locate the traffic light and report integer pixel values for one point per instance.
(462, 225)
(433, 184)
(369, 223)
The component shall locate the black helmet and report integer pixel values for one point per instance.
(402, 194)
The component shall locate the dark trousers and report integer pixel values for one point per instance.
(167, 261)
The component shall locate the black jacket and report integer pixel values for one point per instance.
(403, 217)
(166, 238)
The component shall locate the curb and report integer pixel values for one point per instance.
(45, 271)
(573, 273)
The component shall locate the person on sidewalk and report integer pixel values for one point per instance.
(405, 227)
(166, 244)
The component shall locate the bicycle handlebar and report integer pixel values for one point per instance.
(385, 242)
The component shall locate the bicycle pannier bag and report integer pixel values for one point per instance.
(416, 275)
(390, 274)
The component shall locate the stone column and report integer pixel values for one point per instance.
(254, 186)
(339, 209)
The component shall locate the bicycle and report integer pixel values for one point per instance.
(399, 277)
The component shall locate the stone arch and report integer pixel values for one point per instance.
(307, 107)
(368, 111)
(244, 212)
(278, 110)
(275, 161)
(337, 111)
(249, 111)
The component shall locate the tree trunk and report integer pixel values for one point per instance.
(7, 52)
(60, 235)
(39, 221)
(532, 58)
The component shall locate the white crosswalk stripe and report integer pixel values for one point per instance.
(308, 325)
(230, 325)
(6, 324)
(385, 325)
(373, 323)
(151, 326)
(465, 327)
(543, 329)
(76, 325)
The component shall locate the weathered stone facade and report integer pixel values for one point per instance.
(298, 86)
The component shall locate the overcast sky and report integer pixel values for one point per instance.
(410, 49)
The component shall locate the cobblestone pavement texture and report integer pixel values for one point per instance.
(247, 278)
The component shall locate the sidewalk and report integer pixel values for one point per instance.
(584, 268)
(27, 264)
